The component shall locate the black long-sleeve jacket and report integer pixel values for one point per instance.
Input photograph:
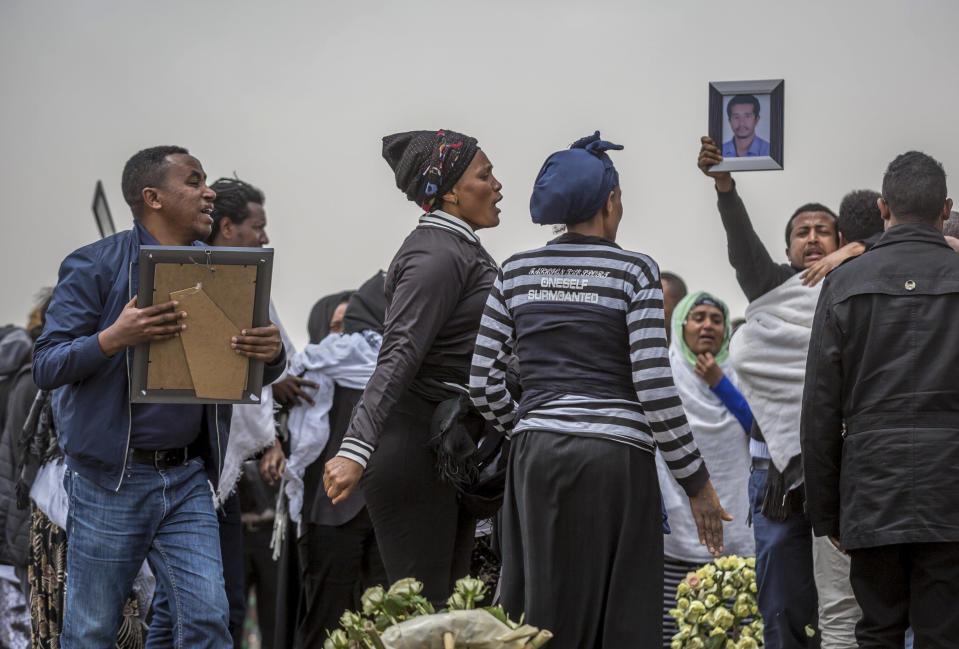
(436, 287)
(756, 271)
(15, 530)
(882, 360)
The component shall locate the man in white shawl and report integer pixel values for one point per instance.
(720, 420)
(769, 355)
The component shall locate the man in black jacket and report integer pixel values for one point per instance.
(880, 425)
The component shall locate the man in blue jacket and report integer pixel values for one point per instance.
(139, 476)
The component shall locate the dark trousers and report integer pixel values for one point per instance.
(288, 592)
(421, 530)
(787, 595)
(582, 534)
(337, 563)
(231, 549)
(899, 585)
(260, 572)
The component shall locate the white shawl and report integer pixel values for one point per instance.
(339, 359)
(769, 354)
(724, 446)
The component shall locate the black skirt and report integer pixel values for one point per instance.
(582, 540)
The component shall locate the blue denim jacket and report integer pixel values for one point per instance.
(91, 400)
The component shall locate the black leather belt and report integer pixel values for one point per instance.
(160, 459)
(760, 464)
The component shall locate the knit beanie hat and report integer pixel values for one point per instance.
(574, 184)
(428, 163)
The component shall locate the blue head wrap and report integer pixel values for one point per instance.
(574, 184)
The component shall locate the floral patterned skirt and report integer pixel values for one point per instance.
(47, 573)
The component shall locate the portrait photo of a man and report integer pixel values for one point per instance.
(742, 134)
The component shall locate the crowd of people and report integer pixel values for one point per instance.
(573, 424)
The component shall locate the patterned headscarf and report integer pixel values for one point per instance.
(574, 184)
(428, 163)
(680, 313)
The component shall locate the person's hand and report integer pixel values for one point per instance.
(260, 343)
(340, 476)
(835, 541)
(136, 326)
(953, 243)
(709, 516)
(707, 369)
(289, 391)
(825, 265)
(813, 274)
(273, 463)
(709, 156)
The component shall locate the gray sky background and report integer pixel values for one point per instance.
(295, 96)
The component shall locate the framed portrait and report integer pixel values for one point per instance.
(746, 122)
(101, 212)
(222, 291)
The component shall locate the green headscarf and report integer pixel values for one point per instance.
(679, 317)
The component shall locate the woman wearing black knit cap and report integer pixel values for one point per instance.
(436, 287)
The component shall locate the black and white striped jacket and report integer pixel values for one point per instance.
(585, 320)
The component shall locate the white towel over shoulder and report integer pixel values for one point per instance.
(769, 354)
(339, 359)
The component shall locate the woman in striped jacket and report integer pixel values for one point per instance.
(582, 517)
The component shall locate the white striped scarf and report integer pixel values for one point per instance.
(444, 221)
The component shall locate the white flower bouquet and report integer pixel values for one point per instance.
(716, 607)
(401, 618)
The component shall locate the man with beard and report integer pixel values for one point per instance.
(784, 565)
(246, 516)
(743, 114)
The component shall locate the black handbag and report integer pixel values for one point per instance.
(471, 455)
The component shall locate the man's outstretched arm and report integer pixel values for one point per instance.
(756, 271)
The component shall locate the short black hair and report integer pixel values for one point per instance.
(231, 202)
(950, 227)
(680, 290)
(809, 207)
(914, 187)
(859, 215)
(147, 168)
(742, 99)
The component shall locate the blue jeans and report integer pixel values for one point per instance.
(166, 516)
(231, 553)
(784, 574)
